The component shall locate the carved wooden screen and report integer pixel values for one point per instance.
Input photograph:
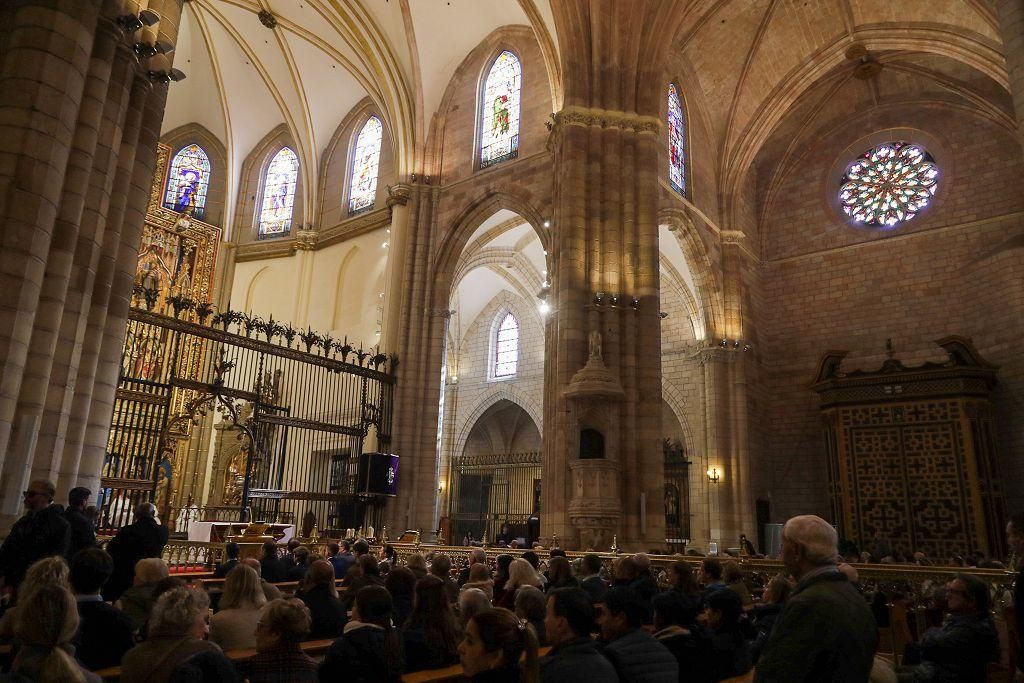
(911, 454)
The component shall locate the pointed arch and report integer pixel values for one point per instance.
(500, 107)
(365, 166)
(188, 180)
(677, 151)
(278, 203)
(505, 356)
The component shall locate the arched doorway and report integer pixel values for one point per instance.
(495, 481)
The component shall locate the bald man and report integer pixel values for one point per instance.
(826, 631)
(42, 532)
(143, 538)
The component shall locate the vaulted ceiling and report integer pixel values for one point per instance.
(744, 65)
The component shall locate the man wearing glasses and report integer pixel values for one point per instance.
(42, 532)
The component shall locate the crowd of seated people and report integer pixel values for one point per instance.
(616, 623)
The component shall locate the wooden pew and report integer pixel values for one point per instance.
(314, 648)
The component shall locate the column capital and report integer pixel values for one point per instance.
(605, 118)
(399, 195)
(305, 240)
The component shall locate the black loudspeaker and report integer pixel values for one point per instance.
(378, 474)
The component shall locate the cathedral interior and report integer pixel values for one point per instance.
(652, 272)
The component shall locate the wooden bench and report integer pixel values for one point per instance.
(314, 648)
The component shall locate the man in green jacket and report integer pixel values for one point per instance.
(826, 631)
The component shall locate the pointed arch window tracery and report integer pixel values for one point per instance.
(365, 166)
(500, 109)
(275, 217)
(188, 181)
(676, 141)
(506, 347)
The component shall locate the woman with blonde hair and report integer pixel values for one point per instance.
(480, 577)
(417, 564)
(233, 627)
(520, 573)
(321, 597)
(49, 571)
(46, 624)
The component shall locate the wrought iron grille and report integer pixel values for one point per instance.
(494, 490)
(291, 411)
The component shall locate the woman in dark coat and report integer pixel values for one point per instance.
(370, 649)
(432, 632)
(321, 597)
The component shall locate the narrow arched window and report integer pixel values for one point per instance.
(188, 181)
(499, 127)
(279, 194)
(365, 165)
(676, 141)
(506, 347)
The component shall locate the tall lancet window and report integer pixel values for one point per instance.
(499, 128)
(279, 194)
(676, 141)
(188, 181)
(365, 165)
(506, 347)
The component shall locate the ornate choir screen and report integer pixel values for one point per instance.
(292, 411)
(912, 453)
(289, 410)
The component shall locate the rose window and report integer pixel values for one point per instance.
(888, 184)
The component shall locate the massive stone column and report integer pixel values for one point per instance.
(604, 378)
(43, 71)
(1011, 25)
(75, 109)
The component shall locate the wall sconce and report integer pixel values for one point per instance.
(713, 475)
(166, 76)
(131, 23)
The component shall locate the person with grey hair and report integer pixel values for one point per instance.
(476, 556)
(177, 631)
(472, 601)
(826, 631)
(143, 538)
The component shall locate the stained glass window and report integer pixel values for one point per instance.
(279, 194)
(888, 184)
(365, 163)
(676, 141)
(188, 181)
(506, 347)
(499, 132)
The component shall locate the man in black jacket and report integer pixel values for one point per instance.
(826, 631)
(104, 632)
(272, 568)
(574, 657)
(82, 533)
(231, 550)
(590, 577)
(42, 532)
(635, 654)
(133, 542)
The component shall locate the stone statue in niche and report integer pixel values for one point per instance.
(594, 343)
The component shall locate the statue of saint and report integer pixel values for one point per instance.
(594, 343)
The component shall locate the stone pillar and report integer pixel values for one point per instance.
(1011, 25)
(398, 247)
(43, 70)
(305, 246)
(607, 334)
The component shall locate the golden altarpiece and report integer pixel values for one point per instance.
(912, 453)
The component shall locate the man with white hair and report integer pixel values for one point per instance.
(143, 538)
(826, 631)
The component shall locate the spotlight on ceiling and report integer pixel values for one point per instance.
(144, 50)
(176, 75)
(163, 47)
(149, 17)
(129, 22)
(166, 76)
